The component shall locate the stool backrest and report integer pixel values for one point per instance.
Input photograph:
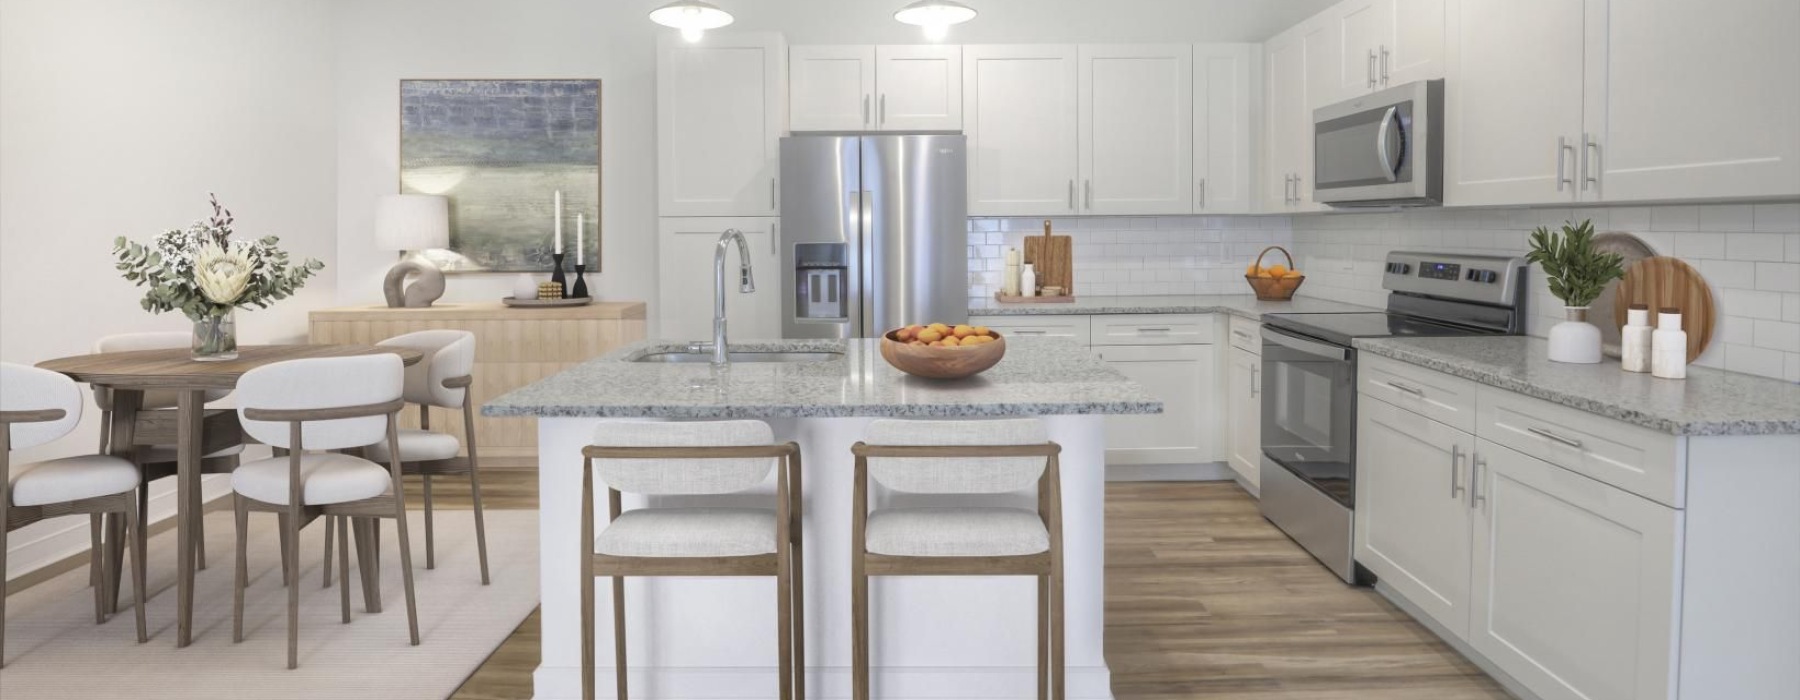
(155, 340)
(26, 388)
(694, 477)
(326, 382)
(448, 354)
(956, 474)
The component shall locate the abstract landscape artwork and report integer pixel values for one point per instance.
(500, 150)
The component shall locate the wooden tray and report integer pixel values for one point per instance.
(1663, 281)
(1002, 298)
(546, 303)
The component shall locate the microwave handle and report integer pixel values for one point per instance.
(1381, 144)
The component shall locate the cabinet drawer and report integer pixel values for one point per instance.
(1638, 460)
(1435, 395)
(1073, 327)
(1246, 334)
(1153, 329)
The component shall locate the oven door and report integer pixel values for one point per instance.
(1309, 411)
(1379, 149)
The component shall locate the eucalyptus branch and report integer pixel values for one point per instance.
(1576, 271)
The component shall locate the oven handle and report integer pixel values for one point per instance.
(1381, 144)
(1311, 347)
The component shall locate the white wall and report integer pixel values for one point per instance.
(117, 117)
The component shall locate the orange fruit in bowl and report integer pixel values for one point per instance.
(963, 331)
(1291, 274)
(905, 334)
(1277, 270)
(983, 331)
(952, 341)
(930, 335)
(1252, 271)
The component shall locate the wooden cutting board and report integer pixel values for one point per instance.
(1665, 282)
(1631, 249)
(1052, 258)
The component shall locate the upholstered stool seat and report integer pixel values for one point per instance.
(689, 532)
(418, 446)
(71, 479)
(956, 532)
(324, 479)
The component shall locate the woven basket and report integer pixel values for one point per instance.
(1275, 288)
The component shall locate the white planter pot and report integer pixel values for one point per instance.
(1575, 340)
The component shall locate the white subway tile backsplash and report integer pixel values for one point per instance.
(1705, 246)
(1729, 274)
(1750, 303)
(1674, 219)
(1778, 277)
(1142, 255)
(1727, 217)
(1777, 218)
(1777, 335)
(1755, 246)
(1755, 360)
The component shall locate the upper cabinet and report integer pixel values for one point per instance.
(720, 107)
(1512, 98)
(831, 88)
(875, 88)
(1019, 107)
(1136, 125)
(1300, 74)
(1226, 85)
(1382, 43)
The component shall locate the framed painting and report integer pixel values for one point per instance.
(501, 150)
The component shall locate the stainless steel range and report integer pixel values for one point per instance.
(1309, 385)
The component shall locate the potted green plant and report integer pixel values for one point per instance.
(1577, 273)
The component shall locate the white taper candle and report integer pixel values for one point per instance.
(558, 207)
(580, 237)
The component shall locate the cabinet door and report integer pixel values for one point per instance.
(1181, 376)
(1223, 77)
(719, 107)
(1415, 48)
(1321, 45)
(1136, 122)
(1019, 105)
(1286, 119)
(1362, 27)
(1574, 581)
(1719, 117)
(684, 304)
(1513, 90)
(1413, 519)
(918, 88)
(1243, 424)
(831, 88)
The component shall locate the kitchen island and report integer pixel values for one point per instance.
(931, 637)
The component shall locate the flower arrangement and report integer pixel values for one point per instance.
(1577, 272)
(203, 273)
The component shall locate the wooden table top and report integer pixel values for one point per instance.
(175, 369)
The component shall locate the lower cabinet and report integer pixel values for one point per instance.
(1243, 415)
(1182, 377)
(1574, 581)
(685, 248)
(1413, 518)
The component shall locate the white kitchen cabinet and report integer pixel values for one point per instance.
(684, 304)
(1287, 121)
(1181, 376)
(1019, 113)
(831, 88)
(1413, 520)
(1136, 128)
(1072, 327)
(918, 87)
(1575, 582)
(1512, 94)
(1243, 420)
(1361, 27)
(1383, 43)
(1226, 82)
(720, 111)
(1690, 100)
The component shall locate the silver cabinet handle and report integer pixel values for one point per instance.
(1407, 389)
(1287, 188)
(1240, 334)
(774, 238)
(1298, 198)
(1255, 380)
(865, 110)
(1540, 432)
(1087, 188)
(1456, 487)
(884, 108)
(1155, 329)
(1384, 65)
(1371, 67)
(771, 193)
(1026, 331)
(1562, 147)
(1072, 194)
(1476, 500)
(1202, 193)
(1590, 166)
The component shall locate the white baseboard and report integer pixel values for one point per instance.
(1512, 685)
(1209, 471)
(47, 542)
(831, 682)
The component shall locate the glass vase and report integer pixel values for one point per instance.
(215, 337)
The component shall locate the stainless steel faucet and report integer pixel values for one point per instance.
(720, 353)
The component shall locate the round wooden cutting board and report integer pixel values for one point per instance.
(1665, 282)
(1631, 249)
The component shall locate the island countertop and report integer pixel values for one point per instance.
(1039, 376)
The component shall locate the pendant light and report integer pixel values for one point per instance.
(692, 17)
(935, 16)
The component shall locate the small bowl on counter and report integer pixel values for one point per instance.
(906, 353)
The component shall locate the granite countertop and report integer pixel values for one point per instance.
(1244, 305)
(1039, 376)
(1708, 402)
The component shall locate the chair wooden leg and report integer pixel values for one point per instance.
(198, 511)
(784, 622)
(859, 632)
(98, 555)
(114, 545)
(1057, 689)
(134, 525)
(1043, 637)
(290, 553)
(406, 572)
(4, 504)
(330, 524)
(430, 539)
(281, 526)
(94, 547)
(620, 669)
(343, 546)
(241, 520)
(480, 520)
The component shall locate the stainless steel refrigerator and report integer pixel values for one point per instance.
(874, 233)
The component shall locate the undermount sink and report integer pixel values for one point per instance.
(744, 356)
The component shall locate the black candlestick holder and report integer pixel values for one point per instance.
(581, 291)
(556, 273)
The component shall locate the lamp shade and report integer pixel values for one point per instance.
(412, 222)
(935, 13)
(690, 14)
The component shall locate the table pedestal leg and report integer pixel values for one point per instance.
(187, 456)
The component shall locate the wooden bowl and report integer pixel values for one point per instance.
(941, 362)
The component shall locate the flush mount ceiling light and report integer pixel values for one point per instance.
(692, 17)
(935, 16)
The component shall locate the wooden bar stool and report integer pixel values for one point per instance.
(959, 457)
(692, 459)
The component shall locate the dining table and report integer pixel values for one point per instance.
(129, 374)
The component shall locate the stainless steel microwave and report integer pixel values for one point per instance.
(1383, 149)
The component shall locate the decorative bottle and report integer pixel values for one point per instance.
(1028, 282)
(1009, 285)
(1634, 339)
(1668, 346)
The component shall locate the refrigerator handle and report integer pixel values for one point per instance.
(866, 260)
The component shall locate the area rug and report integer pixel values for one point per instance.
(54, 650)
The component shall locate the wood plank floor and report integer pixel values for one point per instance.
(1204, 599)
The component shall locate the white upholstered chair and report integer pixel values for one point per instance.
(36, 407)
(441, 379)
(320, 404)
(959, 457)
(692, 459)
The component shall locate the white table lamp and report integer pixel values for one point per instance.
(413, 222)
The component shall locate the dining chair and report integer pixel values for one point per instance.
(36, 407)
(959, 457)
(320, 404)
(441, 379)
(692, 459)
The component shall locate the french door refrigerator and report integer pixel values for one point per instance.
(874, 233)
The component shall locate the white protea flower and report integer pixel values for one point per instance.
(222, 273)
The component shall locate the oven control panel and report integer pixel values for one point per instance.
(1487, 279)
(1439, 270)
